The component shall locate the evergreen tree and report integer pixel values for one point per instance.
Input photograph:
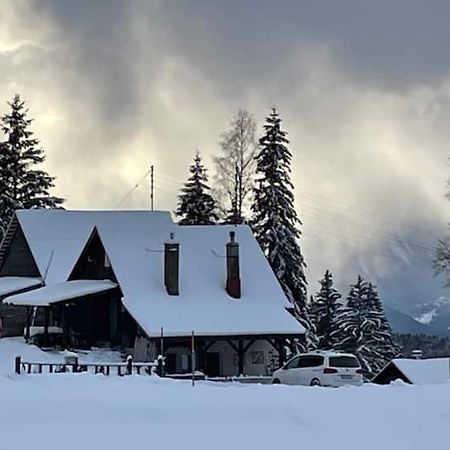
(362, 328)
(22, 184)
(378, 335)
(322, 311)
(349, 319)
(275, 222)
(195, 205)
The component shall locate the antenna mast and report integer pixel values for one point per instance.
(151, 186)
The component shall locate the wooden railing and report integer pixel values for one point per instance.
(106, 368)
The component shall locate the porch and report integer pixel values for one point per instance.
(227, 356)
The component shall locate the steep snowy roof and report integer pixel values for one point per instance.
(8, 285)
(58, 292)
(56, 237)
(425, 371)
(134, 242)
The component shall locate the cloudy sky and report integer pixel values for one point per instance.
(363, 88)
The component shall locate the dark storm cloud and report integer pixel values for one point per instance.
(364, 88)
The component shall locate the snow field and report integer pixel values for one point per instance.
(74, 411)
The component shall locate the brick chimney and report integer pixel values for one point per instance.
(171, 265)
(233, 275)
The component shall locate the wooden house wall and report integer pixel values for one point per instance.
(92, 265)
(19, 261)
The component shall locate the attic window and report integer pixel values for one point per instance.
(106, 262)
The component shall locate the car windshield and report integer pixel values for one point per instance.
(343, 361)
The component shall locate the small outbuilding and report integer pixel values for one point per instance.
(415, 371)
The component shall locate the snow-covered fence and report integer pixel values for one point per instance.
(74, 366)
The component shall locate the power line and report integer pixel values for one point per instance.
(125, 197)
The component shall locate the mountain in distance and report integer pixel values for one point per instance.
(405, 324)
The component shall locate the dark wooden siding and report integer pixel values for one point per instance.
(19, 261)
(389, 374)
(91, 264)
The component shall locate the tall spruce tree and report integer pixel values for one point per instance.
(23, 185)
(378, 335)
(362, 328)
(275, 222)
(195, 205)
(322, 311)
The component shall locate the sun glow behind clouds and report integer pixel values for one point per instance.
(116, 87)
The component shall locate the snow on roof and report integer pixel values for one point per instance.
(203, 304)
(57, 237)
(134, 242)
(9, 285)
(59, 292)
(425, 371)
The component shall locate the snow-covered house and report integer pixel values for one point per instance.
(415, 371)
(127, 277)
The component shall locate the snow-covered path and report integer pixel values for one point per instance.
(74, 411)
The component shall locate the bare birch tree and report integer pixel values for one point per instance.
(235, 167)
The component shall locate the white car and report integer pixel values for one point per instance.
(320, 369)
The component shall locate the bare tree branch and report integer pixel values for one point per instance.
(235, 167)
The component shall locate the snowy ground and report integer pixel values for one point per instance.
(74, 411)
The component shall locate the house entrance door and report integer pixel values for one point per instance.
(212, 364)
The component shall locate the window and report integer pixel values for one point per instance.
(292, 364)
(310, 361)
(344, 361)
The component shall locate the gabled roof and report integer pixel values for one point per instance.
(425, 371)
(416, 371)
(134, 243)
(57, 237)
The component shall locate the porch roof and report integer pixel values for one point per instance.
(9, 285)
(59, 292)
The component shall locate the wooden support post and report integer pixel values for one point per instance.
(281, 356)
(27, 331)
(129, 365)
(241, 355)
(46, 321)
(75, 365)
(18, 364)
(193, 357)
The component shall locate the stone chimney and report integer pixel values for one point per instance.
(233, 273)
(171, 265)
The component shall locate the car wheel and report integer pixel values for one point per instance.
(315, 382)
(276, 381)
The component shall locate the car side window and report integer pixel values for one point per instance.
(292, 364)
(310, 361)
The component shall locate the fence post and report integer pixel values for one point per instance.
(161, 365)
(129, 364)
(18, 364)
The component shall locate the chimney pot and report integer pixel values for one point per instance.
(171, 265)
(233, 272)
